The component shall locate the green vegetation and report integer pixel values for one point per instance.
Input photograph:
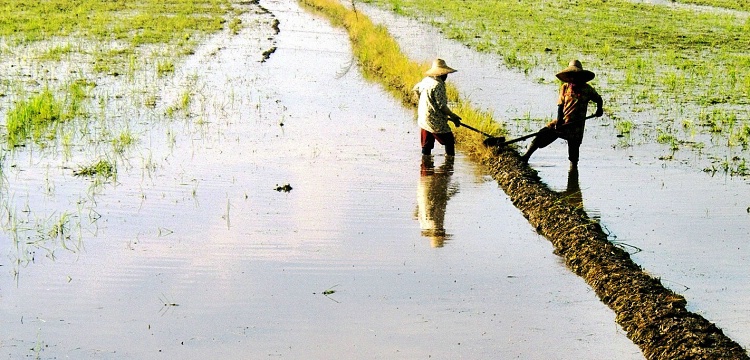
(660, 49)
(38, 116)
(35, 117)
(123, 141)
(624, 127)
(164, 67)
(235, 26)
(103, 169)
(141, 21)
(108, 38)
(57, 53)
(727, 4)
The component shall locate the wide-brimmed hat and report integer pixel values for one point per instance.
(575, 73)
(439, 68)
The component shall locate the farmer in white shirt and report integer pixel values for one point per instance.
(433, 113)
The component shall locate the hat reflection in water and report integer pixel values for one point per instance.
(433, 192)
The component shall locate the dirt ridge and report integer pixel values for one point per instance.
(654, 317)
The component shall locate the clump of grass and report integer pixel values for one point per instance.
(624, 126)
(35, 117)
(123, 141)
(102, 168)
(38, 116)
(667, 138)
(150, 101)
(78, 91)
(164, 67)
(114, 61)
(57, 52)
(235, 25)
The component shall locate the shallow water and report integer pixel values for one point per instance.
(682, 225)
(193, 253)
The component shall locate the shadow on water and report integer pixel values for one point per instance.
(433, 192)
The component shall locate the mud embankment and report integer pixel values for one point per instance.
(654, 317)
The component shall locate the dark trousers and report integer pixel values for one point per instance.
(445, 139)
(548, 136)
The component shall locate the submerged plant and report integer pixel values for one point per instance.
(123, 141)
(102, 168)
(57, 52)
(624, 127)
(164, 67)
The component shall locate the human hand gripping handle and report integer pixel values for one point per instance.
(456, 119)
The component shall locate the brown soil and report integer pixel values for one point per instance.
(654, 317)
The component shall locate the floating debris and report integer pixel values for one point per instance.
(284, 188)
(267, 54)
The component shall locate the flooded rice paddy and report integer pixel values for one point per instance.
(290, 215)
(681, 225)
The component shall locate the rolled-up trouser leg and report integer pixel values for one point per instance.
(447, 140)
(427, 141)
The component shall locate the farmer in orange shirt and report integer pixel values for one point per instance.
(575, 95)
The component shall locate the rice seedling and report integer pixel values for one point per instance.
(57, 52)
(667, 138)
(164, 67)
(184, 102)
(103, 169)
(123, 141)
(150, 101)
(624, 126)
(35, 117)
(78, 91)
(235, 26)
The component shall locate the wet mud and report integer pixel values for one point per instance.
(654, 317)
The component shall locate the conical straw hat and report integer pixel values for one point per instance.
(575, 73)
(439, 68)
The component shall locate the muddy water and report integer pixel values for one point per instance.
(374, 252)
(682, 225)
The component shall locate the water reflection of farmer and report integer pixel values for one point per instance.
(433, 191)
(572, 104)
(572, 192)
(433, 112)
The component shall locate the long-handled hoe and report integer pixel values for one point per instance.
(500, 141)
(490, 140)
